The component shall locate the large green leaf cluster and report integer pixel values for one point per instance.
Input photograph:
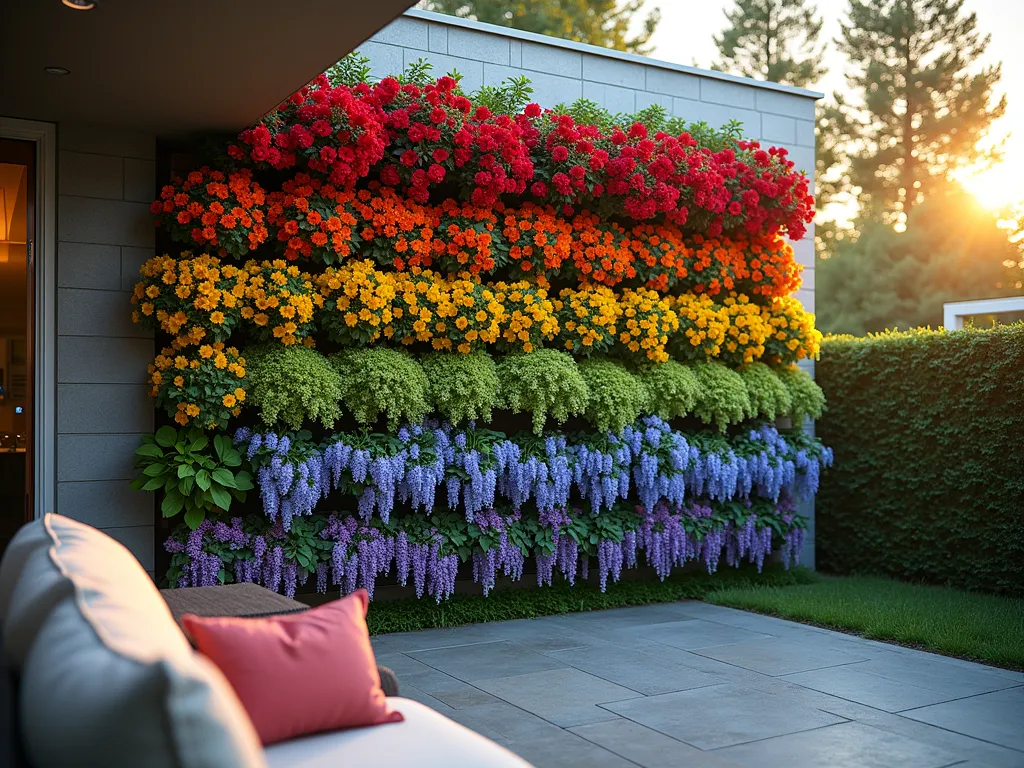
(671, 388)
(928, 482)
(194, 479)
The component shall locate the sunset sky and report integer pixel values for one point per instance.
(685, 36)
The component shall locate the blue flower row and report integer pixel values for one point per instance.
(476, 468)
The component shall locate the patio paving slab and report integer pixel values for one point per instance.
(703, 686)
(639, 670)
(847, 745)
(887, 694)
(721, 715)
(485, 660)
(569, 697)
(935, 674)
(694, 634)
(649, 748)
(996, 717)
(783, 655)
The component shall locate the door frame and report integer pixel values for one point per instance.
(44, 256)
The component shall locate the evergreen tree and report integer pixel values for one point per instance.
(919, 104)
(599, 22)
(772, 40)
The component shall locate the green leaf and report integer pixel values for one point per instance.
(243, 481)
(194, 518)
(153, 470)
(186, 484)
(166, 436)
(232, 458)
(153, 484)
(185, 470)
(221, 497)
(203, 479)
(224, 477)
(150, 450)
(199, 443)
(172, 503)
(220, 445)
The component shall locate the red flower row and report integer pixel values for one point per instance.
(417, 138)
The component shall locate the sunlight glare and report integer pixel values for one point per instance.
(996, 188)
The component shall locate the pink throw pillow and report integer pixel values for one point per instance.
(301, 673)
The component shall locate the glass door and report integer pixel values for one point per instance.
(17, 311)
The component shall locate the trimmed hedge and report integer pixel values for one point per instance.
(928, 433)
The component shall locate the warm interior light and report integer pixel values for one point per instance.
(80, 5)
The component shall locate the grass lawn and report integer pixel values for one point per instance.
(965, 624)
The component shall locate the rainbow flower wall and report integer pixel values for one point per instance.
(421, 335)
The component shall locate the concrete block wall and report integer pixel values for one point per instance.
(562, 71)
(106, 181)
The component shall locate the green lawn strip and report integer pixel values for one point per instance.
(968, 625)
(407, 615)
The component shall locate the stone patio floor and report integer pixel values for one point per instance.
(693, 684)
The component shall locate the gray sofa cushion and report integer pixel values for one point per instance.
(108, 678)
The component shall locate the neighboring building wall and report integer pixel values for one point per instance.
(106, 181)
(562, 71)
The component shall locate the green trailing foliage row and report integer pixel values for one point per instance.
(292, 385)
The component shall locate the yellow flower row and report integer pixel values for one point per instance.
(197, 300)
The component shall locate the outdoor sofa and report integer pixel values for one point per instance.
(99, 673)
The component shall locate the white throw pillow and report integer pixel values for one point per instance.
(108, 678)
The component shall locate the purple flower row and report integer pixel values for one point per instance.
(356, 554)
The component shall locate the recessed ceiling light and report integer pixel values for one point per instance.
(80, 5)
(56, 71)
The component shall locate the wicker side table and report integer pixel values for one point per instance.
(247, 601)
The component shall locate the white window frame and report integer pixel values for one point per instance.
(953, 313)
(44, 136)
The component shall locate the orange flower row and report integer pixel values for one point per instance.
(319, 222)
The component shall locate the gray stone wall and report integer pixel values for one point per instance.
(106, 181)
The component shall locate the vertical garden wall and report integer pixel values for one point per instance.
(428, 328)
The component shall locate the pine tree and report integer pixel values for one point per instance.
(599, 22)
(919, 104)
(772, 40)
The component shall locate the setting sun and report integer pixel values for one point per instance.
(995, 188)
